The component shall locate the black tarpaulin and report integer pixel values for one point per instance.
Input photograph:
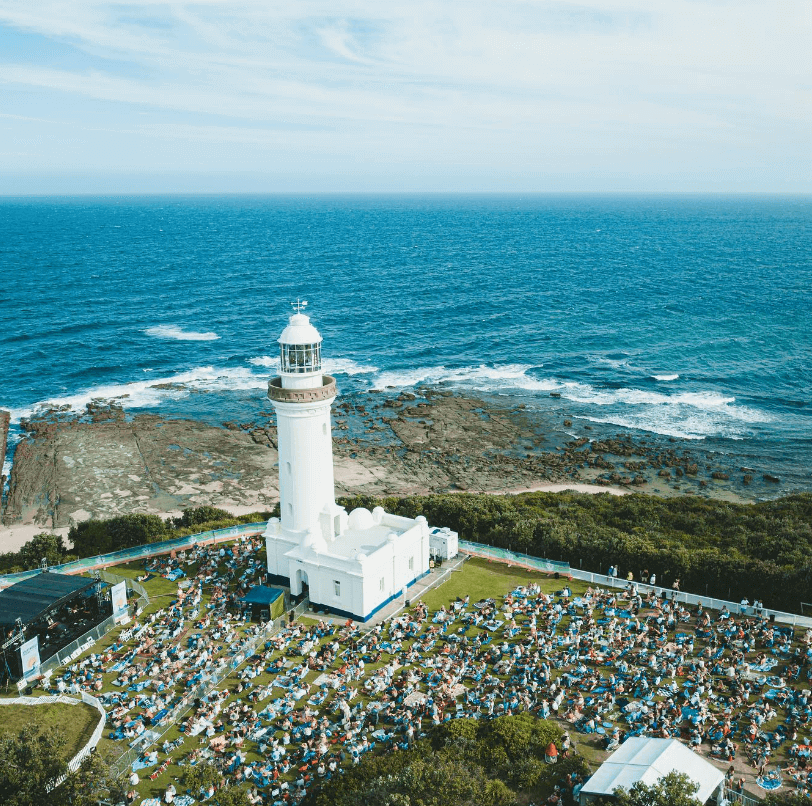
(30, 598)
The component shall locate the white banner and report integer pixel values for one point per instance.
(118, 596)
(29, 656)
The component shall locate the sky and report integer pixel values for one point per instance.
(405, 96)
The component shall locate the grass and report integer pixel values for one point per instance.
(77, 722)
(481, 579)
(477, 578)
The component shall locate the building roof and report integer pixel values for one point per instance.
(300, 331)
(261, 595)
(646, 759)
(34, 596)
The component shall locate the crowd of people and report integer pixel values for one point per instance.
(302, 704)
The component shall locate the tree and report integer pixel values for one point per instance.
(43, 546)
(203, 775)
(135, 529)
(29, 764)
(90, 538)
(674, 789)
(795, 798)
(33, 760)
(199, 515)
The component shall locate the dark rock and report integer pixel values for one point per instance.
(719, 475)
(770, 477)
(747, 478)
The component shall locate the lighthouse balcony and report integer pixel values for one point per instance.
(326, 390)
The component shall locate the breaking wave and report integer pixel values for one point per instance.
(482, 377)
(177, 333)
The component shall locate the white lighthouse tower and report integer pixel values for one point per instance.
(350, 564)
(302, 398)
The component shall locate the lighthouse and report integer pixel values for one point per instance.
(350, 564)
(302, 397)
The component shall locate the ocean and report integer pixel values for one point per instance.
(680, 318)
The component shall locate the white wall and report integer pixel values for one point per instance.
(306, 484)
(276, 546)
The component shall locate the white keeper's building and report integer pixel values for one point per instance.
(350, 564)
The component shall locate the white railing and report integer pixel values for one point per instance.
(87, 699)
(692, 598)
(534, 563)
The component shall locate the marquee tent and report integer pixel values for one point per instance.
(647, 760)
(261, 597)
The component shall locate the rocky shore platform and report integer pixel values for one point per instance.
(104, 462)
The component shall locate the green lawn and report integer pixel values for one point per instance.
(481, 579)
(77, 722)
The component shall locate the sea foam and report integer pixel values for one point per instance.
(153, 393)
(177, 333)
(481, 377)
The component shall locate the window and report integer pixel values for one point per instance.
(382, 585)
(411, 563)
(337, 588)
(324, 429)
(289, 469)
(301, 357)
(290, 510)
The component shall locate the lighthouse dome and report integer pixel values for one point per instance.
(300, 347)
(300, 331)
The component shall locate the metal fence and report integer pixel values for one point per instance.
(514, 558)
(223, 670)
(75, 648)
(742, 798)
(142, 552)
(550, 566)
(694, 599)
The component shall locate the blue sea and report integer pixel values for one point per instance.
(677, 318)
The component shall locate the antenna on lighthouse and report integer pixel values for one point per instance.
(299, 305)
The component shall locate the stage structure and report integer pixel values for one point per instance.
(44, 613)
(351, 564)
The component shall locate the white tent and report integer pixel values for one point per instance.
(648, 760)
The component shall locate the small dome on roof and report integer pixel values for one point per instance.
(314, 541)
(300, 331)
(361, 519)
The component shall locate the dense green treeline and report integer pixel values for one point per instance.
(94, 537)
(464, 761)
(716, 548)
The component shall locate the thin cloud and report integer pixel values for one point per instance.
(492, 83)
